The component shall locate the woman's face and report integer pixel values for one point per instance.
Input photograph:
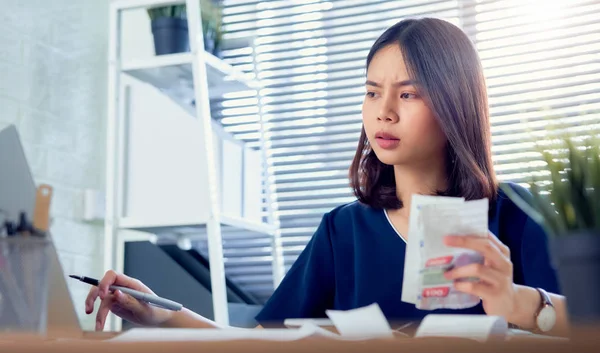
(400, 127)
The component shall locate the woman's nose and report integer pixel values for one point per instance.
(389, 116)
(387, 112)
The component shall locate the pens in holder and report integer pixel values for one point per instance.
(148, 298)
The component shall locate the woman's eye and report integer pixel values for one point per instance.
(408, 96)
(371, 94)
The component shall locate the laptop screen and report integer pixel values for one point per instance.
(17, 194)
(17, 188)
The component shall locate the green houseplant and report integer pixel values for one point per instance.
(170, 28)
(568, 208)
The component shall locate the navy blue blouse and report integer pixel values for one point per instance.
(356, 258)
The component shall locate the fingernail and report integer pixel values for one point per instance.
(455, 239)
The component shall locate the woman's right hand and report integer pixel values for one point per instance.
(124, 305)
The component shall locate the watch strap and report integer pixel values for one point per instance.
(546, 301)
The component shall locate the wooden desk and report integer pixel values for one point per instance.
(586, 340)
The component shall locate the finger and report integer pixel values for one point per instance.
(90, 299)
(505, 250)
(108, 280)
(120, 306)
(113, 278)
(479, 289)
(484, 273)
(103, 311)
(128, 302)
(483, 245)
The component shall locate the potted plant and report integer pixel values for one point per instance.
(569, 211)
(212, 26)
(170, 28)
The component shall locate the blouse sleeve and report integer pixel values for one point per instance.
(307, 290)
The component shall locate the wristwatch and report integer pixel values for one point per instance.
(545, 318)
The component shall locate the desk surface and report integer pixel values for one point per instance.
(586, 340)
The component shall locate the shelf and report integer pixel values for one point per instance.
(190, 227)
(240, 223)
(134, 4)
(143, 138)
(172, 74)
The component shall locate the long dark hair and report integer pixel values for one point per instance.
(442, 59)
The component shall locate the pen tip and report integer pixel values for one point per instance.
(74, 276)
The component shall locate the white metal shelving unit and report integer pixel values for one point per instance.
(196, 76)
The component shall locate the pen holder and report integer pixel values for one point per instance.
(24, 263)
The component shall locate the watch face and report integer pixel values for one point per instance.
(546, 319)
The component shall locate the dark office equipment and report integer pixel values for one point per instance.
(178, 275)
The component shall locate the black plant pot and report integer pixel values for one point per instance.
(577, 260)
(170, 35)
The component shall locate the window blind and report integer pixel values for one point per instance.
(541, 63)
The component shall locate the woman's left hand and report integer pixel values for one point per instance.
(495, 286)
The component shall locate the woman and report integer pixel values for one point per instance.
(425, 131)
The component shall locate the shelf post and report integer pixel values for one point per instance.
(112, 145)
(215, 246)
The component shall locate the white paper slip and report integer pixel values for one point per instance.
(520, 334)
(412, 257)
(477, 327)
(226, 334)
(436, 222)
(301, 322)
(365, 322)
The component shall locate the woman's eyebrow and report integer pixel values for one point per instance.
(397, 84)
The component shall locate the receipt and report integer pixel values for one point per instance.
(412, 257)
(477, 327)
(365, 322)
(437, 221)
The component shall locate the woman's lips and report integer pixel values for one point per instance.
(386, 141)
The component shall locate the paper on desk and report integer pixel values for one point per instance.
(477, 327)
(365, 322)
(412, 259)
(516, 334)
(226, 334)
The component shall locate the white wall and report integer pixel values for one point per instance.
(136, 35)
(53, 88)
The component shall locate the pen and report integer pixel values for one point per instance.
(148, 298)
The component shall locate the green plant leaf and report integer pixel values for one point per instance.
(594, 181)
(526, 207)
(573, 202)
(544, 206)
(176, 11)
(576, 176)
(558, 193)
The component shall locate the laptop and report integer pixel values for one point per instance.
(17, 193)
